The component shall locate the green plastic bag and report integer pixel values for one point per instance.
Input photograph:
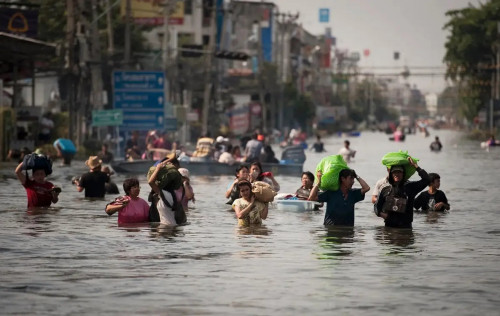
(330, 168)
(168, 178)
(400, 158)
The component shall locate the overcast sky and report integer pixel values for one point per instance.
(412, 27)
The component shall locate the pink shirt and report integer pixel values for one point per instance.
(136, 211)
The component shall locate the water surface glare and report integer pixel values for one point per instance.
(73, 258)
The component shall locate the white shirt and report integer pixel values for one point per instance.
(226, 157)
(167, 216)
(347, 153)
(381, 183)
(47, 125)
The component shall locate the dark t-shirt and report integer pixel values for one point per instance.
(426, 201)
(318, 147)
(94, 184)
(340, 211)
(105, 157)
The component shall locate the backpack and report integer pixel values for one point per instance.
(36, 161)
(177, 208)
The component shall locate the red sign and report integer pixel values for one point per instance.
(366, 52)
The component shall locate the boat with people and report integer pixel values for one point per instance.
(291, 164)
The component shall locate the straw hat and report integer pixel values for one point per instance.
(93, 162)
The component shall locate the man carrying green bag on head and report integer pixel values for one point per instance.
(395, 202)
(336, 179)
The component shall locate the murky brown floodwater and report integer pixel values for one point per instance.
(74, 259)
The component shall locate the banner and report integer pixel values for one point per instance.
(151, 12)
(19, 22)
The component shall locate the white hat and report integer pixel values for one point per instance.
(219, 139)
(184, 172)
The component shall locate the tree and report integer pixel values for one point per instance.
(470, 51)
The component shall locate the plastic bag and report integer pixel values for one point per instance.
(330, 168)
(400, 158)
(263, 192)
(168, 178)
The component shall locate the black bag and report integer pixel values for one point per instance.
(154, 216)
(36, 161)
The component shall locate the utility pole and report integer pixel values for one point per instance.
(128, 17)
(208, 73)
(285, 20)
(109, 29)
(95, 65)
(70, 54)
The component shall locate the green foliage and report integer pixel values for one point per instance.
(470, 52)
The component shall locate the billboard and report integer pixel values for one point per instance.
(151, 12)
(19, 22)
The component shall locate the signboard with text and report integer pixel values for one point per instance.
(107, 117)
(141, 97)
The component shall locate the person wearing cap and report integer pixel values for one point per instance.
(185, 193)
(253, 149)
(395, 202)
(40, 192)
(94, 181)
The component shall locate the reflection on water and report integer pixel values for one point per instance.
(434, 217)
(398, 239)
(74, 259)
(257, 230)
(336, 241)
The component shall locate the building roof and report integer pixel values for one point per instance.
(15, 48)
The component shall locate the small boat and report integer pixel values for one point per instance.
(291, 164)
(208, 168)
(296, 205)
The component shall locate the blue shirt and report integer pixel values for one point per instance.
(340, 211)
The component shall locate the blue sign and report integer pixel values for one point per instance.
(141, 97)
(324, 15)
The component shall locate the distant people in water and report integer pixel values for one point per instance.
(318, 146)
(432, 199)
(105, 155)
(65, 149)
(436, 144)
(111, 187)
(492, 141)
(346, 152)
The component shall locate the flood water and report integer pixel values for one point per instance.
(74, 259)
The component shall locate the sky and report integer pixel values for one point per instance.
(414, 28)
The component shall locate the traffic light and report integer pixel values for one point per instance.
(224, 54)
(192, 51)
(396, 55)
